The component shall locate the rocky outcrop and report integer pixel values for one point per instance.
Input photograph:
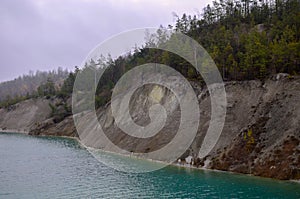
(25, 115)
(50, 128)
(37, 117)
(263, 128)
(261, 135)
(60, 121)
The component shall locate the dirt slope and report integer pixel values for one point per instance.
(261, 134)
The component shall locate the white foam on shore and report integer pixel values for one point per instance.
(182, 165)
(13, 131)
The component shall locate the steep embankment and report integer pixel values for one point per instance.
(35, 117)
(262, 130)
(23, 116)
(261, 134)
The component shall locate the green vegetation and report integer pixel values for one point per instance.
(249, 138)
(29, 86)
(59, 111)
(47, 89)
(247, 40)
(8, 102)
(67, 87)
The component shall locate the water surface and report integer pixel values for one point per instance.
(51, 167)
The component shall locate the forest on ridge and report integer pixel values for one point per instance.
(247, 39)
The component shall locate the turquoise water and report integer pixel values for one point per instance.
(44, 167)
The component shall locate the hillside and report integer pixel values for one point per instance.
(256, 47)
(260, 136)
(27, 85)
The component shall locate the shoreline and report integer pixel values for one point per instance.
(178, 165)
(185, 166)
(14, 131)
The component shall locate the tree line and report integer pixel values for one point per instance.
(247, 39)
(32, 85)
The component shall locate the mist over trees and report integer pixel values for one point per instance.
(248, 39)
(27, 85)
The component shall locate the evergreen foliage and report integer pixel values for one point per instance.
(248, 39)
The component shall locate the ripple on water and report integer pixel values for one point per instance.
(32, 167)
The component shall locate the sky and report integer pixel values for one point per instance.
(47, 34)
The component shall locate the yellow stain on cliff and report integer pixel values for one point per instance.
(157, 94)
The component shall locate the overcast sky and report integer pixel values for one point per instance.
(47, 34)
